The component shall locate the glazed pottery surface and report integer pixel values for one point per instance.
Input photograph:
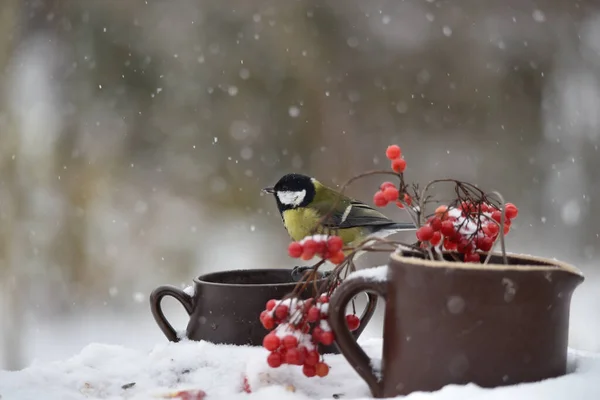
(225, 307)
(457, 323)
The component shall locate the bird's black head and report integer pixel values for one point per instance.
(293, 191)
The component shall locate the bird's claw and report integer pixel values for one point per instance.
(299, 271)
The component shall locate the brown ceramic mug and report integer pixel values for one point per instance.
(225, 306)
(458, 323)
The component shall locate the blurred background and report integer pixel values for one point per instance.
(135, 137)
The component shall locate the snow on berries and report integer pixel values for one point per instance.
(297, 328)
(328, 247)
(469, 224)
(467, 228)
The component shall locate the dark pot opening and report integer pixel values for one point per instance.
(512, 259)
(254, 277)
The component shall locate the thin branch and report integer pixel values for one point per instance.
(502, 222)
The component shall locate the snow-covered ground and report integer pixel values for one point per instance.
(93, 355)
(102, 371)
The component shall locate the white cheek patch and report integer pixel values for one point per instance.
(291, 198)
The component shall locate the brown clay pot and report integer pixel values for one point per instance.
(450, 322)
(226, 306)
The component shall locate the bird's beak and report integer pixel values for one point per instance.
(269, 190)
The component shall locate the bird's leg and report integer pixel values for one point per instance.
(299, 271)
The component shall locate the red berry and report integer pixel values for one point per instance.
(407, 199)
(292, 356)
(391, 194)
(322, 369)
(399, 204)
(334, 244)
(449, 244)
(425, 233)
(312, 358)
(271, 304)
(310, 248)
(246, 386)
(497, 216)
(379, 199)
(464, 246)
(506, 229)
(491, 229)
(309, 370)
(327, 338)
(436, 223)
(385, 185)
(447, 228)
(295, 249)
(301, 355)
(393, 152)
(271, 342)
(352, 321)
(289, 341)
(399, 165)
(313, 314)
(472, 257)
(510, 210)
(316, 334)
(337, 257)
(274, 360)
(283, 352)
(320, 247)
(324, 298)
(435, 239)
(281, 311)
(485, 243)
(441, 212)
(267, 320)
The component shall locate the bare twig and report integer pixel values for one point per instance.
(502, 222)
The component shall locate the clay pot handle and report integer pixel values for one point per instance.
(156, 297)
(345, 341)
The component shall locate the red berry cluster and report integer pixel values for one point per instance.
(466, 228)
(394, 154)
(324, 246)
(300, 326)
(387, 193)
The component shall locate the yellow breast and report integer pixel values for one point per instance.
(301, 222)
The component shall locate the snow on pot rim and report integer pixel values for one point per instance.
(522, 262)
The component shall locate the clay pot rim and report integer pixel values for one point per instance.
(553, 264)
(201, 278)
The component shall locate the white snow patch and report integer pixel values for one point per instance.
(103, 371)
(190, 291)
(378, 274)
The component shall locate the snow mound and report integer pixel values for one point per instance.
(114, 372)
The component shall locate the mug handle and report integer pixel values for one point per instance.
(344, 340)
(156, 297)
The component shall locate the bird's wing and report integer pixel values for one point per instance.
(351, 213)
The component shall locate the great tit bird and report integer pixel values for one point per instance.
(302, 202)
